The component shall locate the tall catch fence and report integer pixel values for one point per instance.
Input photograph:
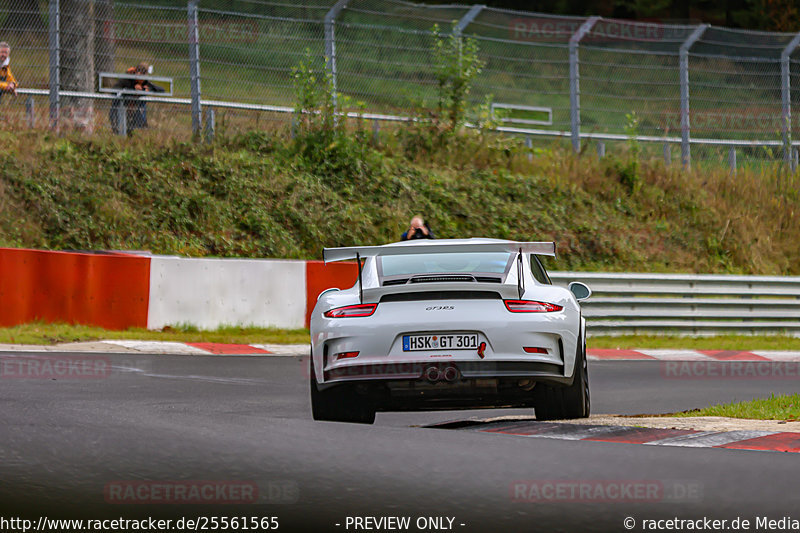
(699, 92)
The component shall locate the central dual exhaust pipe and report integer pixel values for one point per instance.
(435, 374)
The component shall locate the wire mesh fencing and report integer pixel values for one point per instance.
(706, 92)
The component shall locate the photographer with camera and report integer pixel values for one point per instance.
(135, 109)
(418, 229)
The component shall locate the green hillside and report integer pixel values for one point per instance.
(263, 195)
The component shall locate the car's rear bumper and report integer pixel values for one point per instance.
(466, 370)
(402, 387)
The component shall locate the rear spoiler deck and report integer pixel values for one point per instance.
(434, 247)
(502, 290)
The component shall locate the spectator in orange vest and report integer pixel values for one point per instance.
(8, 83)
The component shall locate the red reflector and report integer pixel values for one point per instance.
(531, 349)
(346, 355)
(531, 306)
(350, 311)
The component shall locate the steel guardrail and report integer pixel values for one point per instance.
(688, 304)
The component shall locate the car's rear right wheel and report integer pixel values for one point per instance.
(339, 404)
(553, 402)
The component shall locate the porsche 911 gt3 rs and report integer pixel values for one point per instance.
(448, 324)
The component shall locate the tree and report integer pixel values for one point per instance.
(77, 58)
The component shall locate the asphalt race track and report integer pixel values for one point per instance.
(170, 419)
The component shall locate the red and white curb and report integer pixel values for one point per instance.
(211, 348)
(738, 439)
(600, 354)
(164, 347)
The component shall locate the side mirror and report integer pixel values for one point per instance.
(580, 290)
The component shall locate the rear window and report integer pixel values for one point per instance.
(469, 262)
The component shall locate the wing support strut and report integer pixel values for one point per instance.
(520, 279)
(360, 286)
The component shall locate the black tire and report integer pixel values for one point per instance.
(339, 404)
(554, 402)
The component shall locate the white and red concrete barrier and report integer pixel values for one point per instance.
(122, 290)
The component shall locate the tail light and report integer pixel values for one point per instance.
(533, 349)
(351, 311)
(531, 306)
(346, 355)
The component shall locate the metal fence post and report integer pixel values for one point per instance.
(330, 43)
(194, 67)
(574, 81)
(732, 159)
(30, 111)
(667, 154)
(376, 130)
(210, 125)
(462, 24)
(786, 95)
(54, 39)
(684, 82)
(795, 159)
(122, 115)
(601, 150)
(529, 146)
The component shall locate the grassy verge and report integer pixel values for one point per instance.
(39, 333)
(264, 195)
(61, 333)
(721, 342)
(780, 407)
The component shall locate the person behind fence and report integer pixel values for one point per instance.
(418, 229)
(135, 108)
(8, 84)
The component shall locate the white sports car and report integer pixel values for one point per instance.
(448, 324)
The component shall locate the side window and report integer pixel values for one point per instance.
(538, 271)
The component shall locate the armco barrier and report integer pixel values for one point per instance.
(688, 304)
(108, 290)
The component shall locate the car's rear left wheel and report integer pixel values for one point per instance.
(554, 402)
(339, 404)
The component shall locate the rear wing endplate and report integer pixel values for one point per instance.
(353, 252)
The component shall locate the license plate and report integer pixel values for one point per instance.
(416, 343)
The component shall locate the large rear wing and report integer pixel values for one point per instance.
(437, 247)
